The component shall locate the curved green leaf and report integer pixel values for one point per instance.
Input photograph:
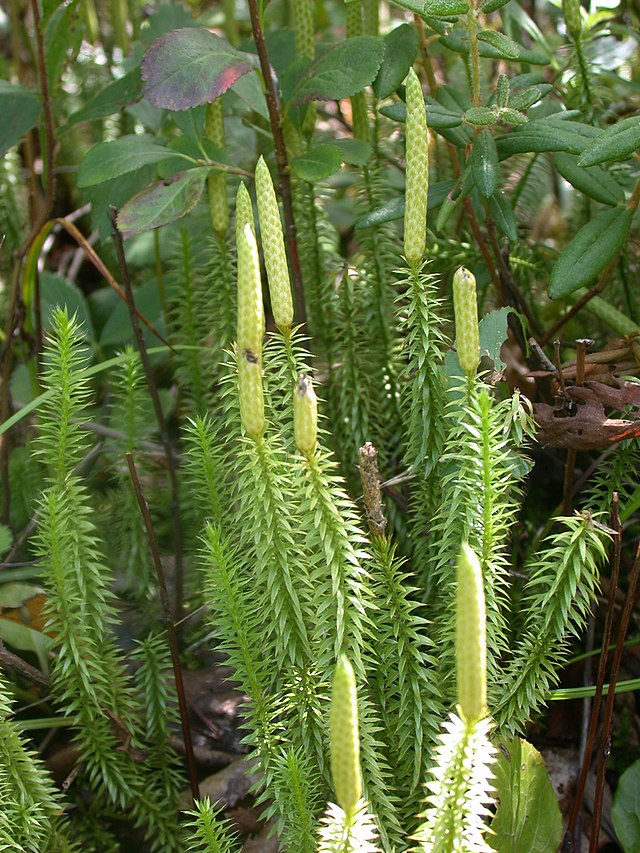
(595, 245)
(20, 109)
(626, 809)
(341, 71)
(318, 163)
(109, 100)
(616, 142)
(162, 202)
(528, 816)
(188, 67)
(503, 216)
(593, 181)
(554, 133)
(446, 8)
(111, 159)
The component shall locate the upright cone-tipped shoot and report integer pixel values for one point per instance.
(465, 309)
(217, 184)
(275, 259)
(250, 309)
(417, 171)
(305, 416)
(344, 738)
(471, 640)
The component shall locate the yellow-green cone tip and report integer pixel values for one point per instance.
(417, 171)
(465, 310)
(305, 416)
(471, 641)
(275, 259)
(250, 327)
(344, 737)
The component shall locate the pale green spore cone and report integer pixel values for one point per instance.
(417, 171)
(471, 639)
(305, 416)
(344, 737)
(217, 184)
(250, 393)
(275, 258)
(465, 309)
(250, 329)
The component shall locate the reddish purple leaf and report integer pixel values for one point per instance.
(189, 67)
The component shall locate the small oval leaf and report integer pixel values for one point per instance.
(400, 49)
(507, 48)
(484, 163)
(162, 202)
(594, 246)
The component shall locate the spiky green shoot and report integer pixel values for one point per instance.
(275, 259)
(344, 737)
(471, 639)
(572, 18)
(305, 416)
(465, 308)
(217, 184)
(417, 171)
(250, 310)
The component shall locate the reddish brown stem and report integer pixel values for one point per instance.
(570, 842)
(157, 406)
(607, 717)
(171, 631)
(275, 119)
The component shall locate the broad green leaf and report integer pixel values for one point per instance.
(528, 816)
(20, 110)
(318, 163)
(552, 133)
(400, 49)
(27, 639)
(626, 809)
(115, 192)
(341, 71)
(353, 151)
(594, 246)
(394, 209)
(162, 202)
(593, 181)
(415, 6)
(14, 594)
(111, 159)
(618, 141)
(6, 539)
(446, 8)
(502, 214)
(507, 48)
(61, 35)
(189, 67)
(111, 99)
(492, 330)
(58, 291)
(117, 329)
(484, 163)
(167, 17)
